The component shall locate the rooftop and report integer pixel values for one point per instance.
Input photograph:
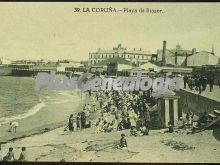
(120, 49)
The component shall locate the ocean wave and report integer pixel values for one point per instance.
(32, 111)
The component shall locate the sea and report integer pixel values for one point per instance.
(18, 99)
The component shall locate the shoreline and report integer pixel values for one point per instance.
(30, 112)
(51, 116)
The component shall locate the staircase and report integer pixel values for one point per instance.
(214, 115)
(213, 120)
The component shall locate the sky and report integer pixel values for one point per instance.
(54, 31)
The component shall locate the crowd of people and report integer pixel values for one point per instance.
(81, 120)
(116, 111)
(194, 123)
(120, 110)
(198, 82)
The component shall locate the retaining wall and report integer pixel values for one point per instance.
(196, 103)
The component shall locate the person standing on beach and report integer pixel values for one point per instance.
(185, 79)
(211, 82)
(13, 125)
(83, 119)
(71, 128)
(0, 153)
(23, 155)
(78, 121)
(10, 155)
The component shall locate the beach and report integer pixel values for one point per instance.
(55, 144)
(41, 131)
(88, 146)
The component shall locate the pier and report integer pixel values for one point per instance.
(31, 70)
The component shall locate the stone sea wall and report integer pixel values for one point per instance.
(196, 103)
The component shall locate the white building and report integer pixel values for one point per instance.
(4, 61)
(133, 56)
(202, 58)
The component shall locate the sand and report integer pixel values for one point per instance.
(89, 146)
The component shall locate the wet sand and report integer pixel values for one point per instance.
(53, 115)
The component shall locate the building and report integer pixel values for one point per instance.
(175, 56)
(202, 58)
(135, 57)
(98, 69)
(167, 105)
(185, 58)
(76, 67)
(176, 70)
(135, 71)
(4, 61)
(149, 67)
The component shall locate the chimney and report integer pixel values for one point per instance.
(175, 58)
(134, 49)
(213, 51)
(186, 60)
(99, 49)
(194, 51)
(140, 49)
(119, 46)
(164, 53)
(178, 47)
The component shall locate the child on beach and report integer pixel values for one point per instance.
(23, 155)
(70, 124)
(0, 153)
(123, 141)
(10, 155)
(170, 127)
(13, 125)
(133, 131)
(144, 130)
